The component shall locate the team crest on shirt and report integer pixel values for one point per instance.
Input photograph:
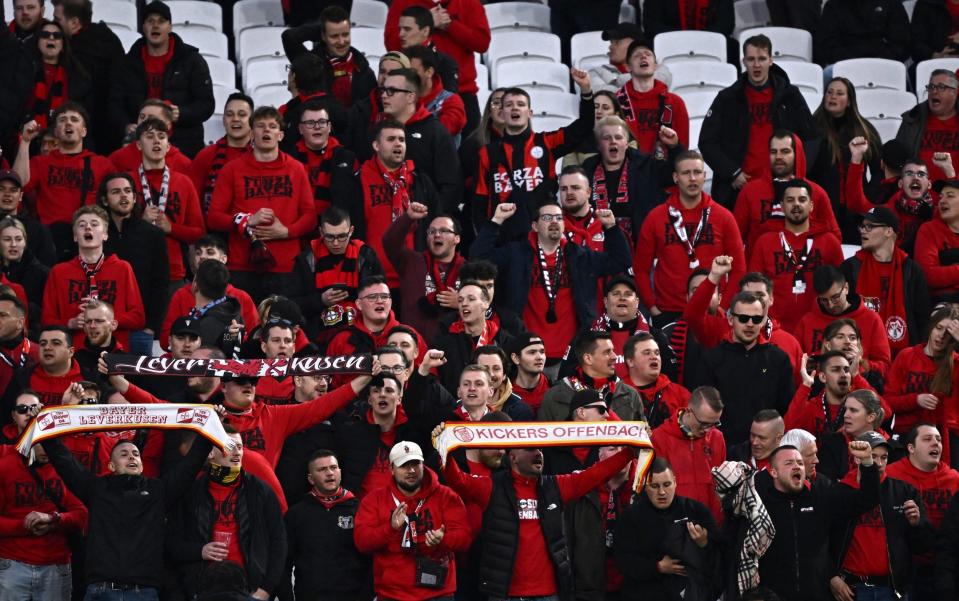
(345, 522)
(895, 328)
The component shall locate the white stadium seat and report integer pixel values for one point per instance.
(482, 76)
(789, 43)
(751, 13)
(549, 103)
(925, 68)
(195, 13)
(222, 71)
(887, 128)
(209, 42)
(550, 123)
(849, 250)
(271, 96)
(220, 94)
(695, 126)
(520, 45)
(805, 76)
(368, 13)
(813, 100)
(117, 14)
(533, 74)
(872, 73)
(909, 5)
(699, 76)
(256, 13)
(884, 104)
(517, 16)
(127, 37)
(213, 129)
(370, 42)
(698, 103)
(258, 43)
(676, 46)
(268, 72)
(588, 50)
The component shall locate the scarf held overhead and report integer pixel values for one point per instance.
(251, 368)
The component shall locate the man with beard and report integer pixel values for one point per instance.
(528, 356)
(235, 142)
(276, 341)
(888, 280)
(27, 17)
(427, 524)
(758, 375)
(99, 324)
(661, 398)
(596, 359)
(17, 352)
(805, 442)
(819, 403)
(334, 570)
(937, 245)
(790, 257)
(39, 240)
(759, 206)
(582, 227)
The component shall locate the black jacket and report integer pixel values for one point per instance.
(32, 275)
(644, 534)
(747, 380)
(79, 88)
(213, 324)
(458, 349)
(723, 139)
(862, 28)
(16, 81)
(834, 460)
(915, 290)
(902, 540)
(186, 83)
(334, 567)
(294, 44)
(796, 566)
(99, 50)
(39, 239)
(344, 191)
(660, 16)
(515, 263)
(127, 514)
(262, 537)
(648, 178)
(931, 25)
(143, 246)
(947, 554)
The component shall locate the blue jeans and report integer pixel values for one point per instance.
(141, 343)
(25, 582)
(101, 591)
(873, 593)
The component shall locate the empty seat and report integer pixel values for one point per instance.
(369, 41)
(887, 128)
(549, 103)
(789, 43)
(813, 100)
(258, 43)
(872, 73)
(482, 76)
(194, 13)
(532, 74)
(220, 94)
(750, 13)
(588, 50)
(127, 37)
(117, 14)
(222, 71)
(368, 13)
(256, 13)
(909, 5)
(699, 76)
(271, 96)
(675, 46)
(516, 46)
(550, 123)
(517, 16)
(925, 68)
(267, 72)
(213, 129)
(849, 250)
(805, 76)
(884, 104)
(208, 42)
(481, 97)
(698, 103)
(695, 126)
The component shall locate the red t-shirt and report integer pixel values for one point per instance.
(556, 336)
(182, 210)
(224, 523)
(941, 135)
(868, 554)
(56, 180)
(154, 68)
(760, 102)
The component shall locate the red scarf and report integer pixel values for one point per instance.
(602, 200)
(333, 500)
(49, 92)
(534, 396)
(435, 282)
(154, 68)
(343, 69)
(336, 269)
(485, 339)
(892, 306)
(692, 14)
(399, 182)
(220, 158)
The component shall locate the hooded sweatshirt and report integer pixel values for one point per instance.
(911, 375)
(937, 252)
(937, 488)
(129, 157)
(645, 112)
(875, 344)
(57, 179)
(692, 459)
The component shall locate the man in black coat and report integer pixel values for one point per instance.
(229, 515)
(860, 29)
(16, 81)
(947, 554)
(760, 102)
(173, 71)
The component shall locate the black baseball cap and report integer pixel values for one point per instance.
(157, 8)
(616, 281)
(622, 31)
(583, 398)
(882, 216)
(945, 183)
(10, 175)
(875, 439)
(185, 325)
(517, 344)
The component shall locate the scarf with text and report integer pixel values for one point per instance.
(49, 92)
(888, 299)
(435, 280)
(343, 70)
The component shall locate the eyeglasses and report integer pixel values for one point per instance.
(390, 91)
(376, 298)
(865, 226)
(550, 218)
(756, 319)
(939, 87)
(702, 424)
(392, 369)
(442, 231)
(602, 409)
(25, 409)
(315, 123)
(916, 174)
(336, 237)
(835, 299)
(51, 35)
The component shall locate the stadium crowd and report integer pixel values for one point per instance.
(802, 399)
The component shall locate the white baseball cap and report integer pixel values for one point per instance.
(405, 451)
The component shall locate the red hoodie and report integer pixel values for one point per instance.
(182, 302)
(129, 157)
(857, 202)
(219, 153)
(182, 210)
(658, 240)
(379, 212)
(56, 180)
(394, 566)
(781, 256)
(936, 487)
(757, 210)
(645, 111)
(21, 493)
(662, 399)
(911, 374)
(49, 388)
(246, 185)
(467, 33)
(533, 572)
(875, 344)
(692, 459)
(935, 237)
(67, 285)
(533, 397)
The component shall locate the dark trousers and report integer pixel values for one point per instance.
(473, 113)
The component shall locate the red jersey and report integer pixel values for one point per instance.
(661, 237)
(662, 399)
(759, 104)
(790, 260)
(556, 334)
(868, 551)
(381, 207)
(246, 185)
(645, 112)
(757, 212)
(937, 252)
(129, 157)
(225, 527)
(182, 302)
(57, 179)
(182, 209)
(113, 283)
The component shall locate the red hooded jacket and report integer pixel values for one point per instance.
(56, 180)
(129, 157)
(875, 344)
(645, 111)
(692, 459)
(911, 374)
(934, 240)
(936, 487)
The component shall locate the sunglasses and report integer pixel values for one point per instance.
(245, 381)
(25, 409)
(602, 409)
(756, 319)
(51, 35)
